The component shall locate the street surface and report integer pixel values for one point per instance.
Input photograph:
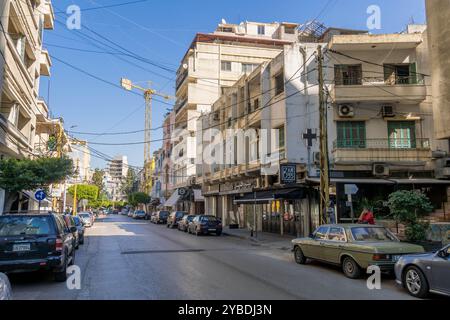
(134, 260)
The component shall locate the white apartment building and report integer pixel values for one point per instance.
(380, 131)
(23, 61)
(114, 178)
(213, 62)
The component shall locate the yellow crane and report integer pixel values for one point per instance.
(148, 95)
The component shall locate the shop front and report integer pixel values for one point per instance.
(288, 211)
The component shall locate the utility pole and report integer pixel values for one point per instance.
(75, 202)
(59, 154)
(148, 95)
(324, 161)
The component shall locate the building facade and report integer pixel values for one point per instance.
(23, 62)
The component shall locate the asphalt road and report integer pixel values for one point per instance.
(135, 260)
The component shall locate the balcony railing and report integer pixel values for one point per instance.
(180, 79)
(397, 144)
(392, 80)
(180, 105)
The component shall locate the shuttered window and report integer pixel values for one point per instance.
(402, 134)
(351, 134)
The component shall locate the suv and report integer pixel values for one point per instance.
(31, 242)
(71, 224)
(159, 217)
(174, 218)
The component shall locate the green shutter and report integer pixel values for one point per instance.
(402, 134)
(351, 134)
(413, 73)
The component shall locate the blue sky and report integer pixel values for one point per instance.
(161, 32)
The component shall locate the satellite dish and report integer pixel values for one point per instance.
(185, 66)
(223, 21)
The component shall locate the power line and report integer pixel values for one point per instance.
(109, 6)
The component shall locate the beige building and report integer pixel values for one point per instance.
(438, 15)
(23, 61)
(214, 62)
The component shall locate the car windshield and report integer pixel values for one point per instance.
(84, 216)
(190, 218)
(140, 212)
(372, 234)
(209, 219)
(24, 226)
(180, 214)
(163, 213)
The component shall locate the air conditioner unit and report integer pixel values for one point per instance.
(346, 111)
(216, 116)
(316, 158)
(380, 170)
(387, 111)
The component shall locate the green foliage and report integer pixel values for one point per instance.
(407, 207)
(417, 231)
(100, 203)
(85, 191)
(26, 174)
(139, 198)
(97, 179)
(127, 186)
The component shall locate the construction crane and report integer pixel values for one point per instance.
(148, 95)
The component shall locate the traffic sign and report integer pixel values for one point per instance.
(351, 189)
(40, 195)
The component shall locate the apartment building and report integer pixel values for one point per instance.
(213, 62)
(380, 132)
(22, 63)
(114, 178)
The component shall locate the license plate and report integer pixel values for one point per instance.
(396, 258)
(211, 229)
(21, 247)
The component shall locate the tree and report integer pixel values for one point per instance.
(97, 179)
(138, 198)
(408, 207)
(128, 184)
(17, 175)
(85, 191)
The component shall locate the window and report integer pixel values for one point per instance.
(400, 74)
(351, 134)
(226, 65)
(261, 30)
(248, 67)
(279, 83)
(289, 30)
(373, 234)
(347, 75)
(336, 234)
(321, 233)
(402, 134)
(24, 226)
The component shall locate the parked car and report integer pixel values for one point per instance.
(31, 242)
(130, 213)
(5, 288)
(204, 224)
(354, 247)
(86, 219)
(160, 217)
(421, 274)
(80, 227)
(73, 227)
(139, 214)
(184, 223)
(174, 218)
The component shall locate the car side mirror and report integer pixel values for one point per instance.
(311, 235)
(444, 253)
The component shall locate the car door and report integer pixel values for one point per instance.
(333, 245)
(312, 247)
(441, 272)
(66, 235)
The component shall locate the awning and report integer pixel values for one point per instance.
(262, 197)
(172, 201)
(384, 181)
(198, 197)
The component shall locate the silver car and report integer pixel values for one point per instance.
(5, 288)
(421, 274)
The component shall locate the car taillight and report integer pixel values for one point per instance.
(59, 245)
(378, 257)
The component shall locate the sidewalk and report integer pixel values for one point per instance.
(265, 239)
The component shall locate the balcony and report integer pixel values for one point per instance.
(381, 150)
(180, 79)
(405, 89)
(49, 15)
(45, 63)
(180, 105)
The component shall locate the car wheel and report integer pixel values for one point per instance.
(72, 262)
(415, 282)
(218, 233)
(196, 232)
(351, 268)
(168, 226)
(61, 276)
(82, 241)
(299, 256)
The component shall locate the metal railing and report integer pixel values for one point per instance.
(392, 80)
(396, 144)
(180, 79)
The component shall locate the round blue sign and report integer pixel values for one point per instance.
(40, 195)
